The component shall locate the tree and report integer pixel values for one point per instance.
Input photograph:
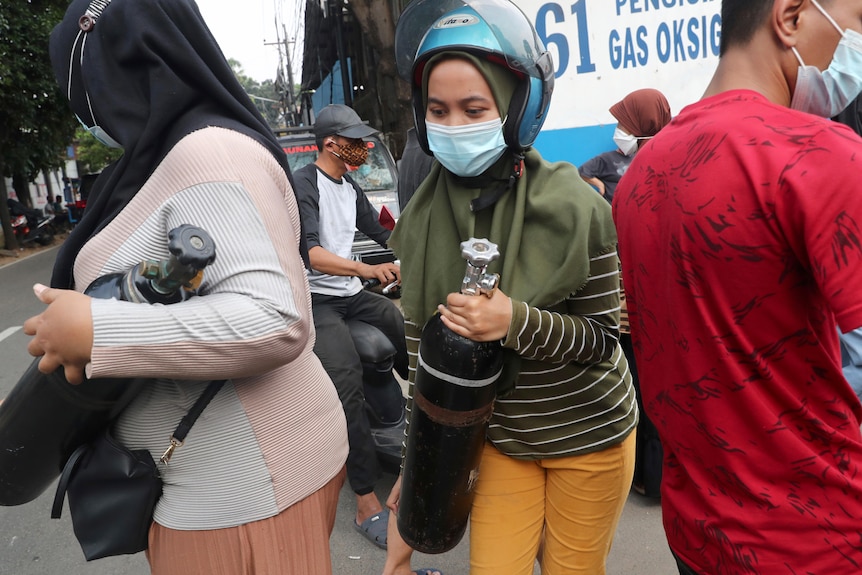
(264, 95)
(377, 20)
(35, 121)
(93, 155)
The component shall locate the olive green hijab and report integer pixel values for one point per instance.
(547, 227)
(501, 81)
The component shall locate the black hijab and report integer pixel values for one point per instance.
(149, 72)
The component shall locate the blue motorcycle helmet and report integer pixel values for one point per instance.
(494, 30)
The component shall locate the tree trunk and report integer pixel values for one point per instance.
(8, 238)
(377, 21)
(49, 186)
(22, 189)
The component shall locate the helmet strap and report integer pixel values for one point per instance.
(515, 116)
(488, 200)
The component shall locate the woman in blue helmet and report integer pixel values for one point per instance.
(559, 456)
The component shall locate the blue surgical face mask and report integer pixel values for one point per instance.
(101, 135)
(467, 150)
(829, 92)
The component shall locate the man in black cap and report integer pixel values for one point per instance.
(332, 206)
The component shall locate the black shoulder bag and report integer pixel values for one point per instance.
(113, 490)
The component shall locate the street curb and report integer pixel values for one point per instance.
(17, 258)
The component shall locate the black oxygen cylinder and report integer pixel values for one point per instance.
(453, 398)
(45, 418)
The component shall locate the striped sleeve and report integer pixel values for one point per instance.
(589, 330)
(249, 311)
(255, 315)
(412, 334)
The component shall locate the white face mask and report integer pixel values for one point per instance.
(829, 92)
(467, 150)
(627, 143)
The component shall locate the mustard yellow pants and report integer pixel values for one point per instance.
(573, 503)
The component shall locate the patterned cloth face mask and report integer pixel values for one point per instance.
(467, 150)
(353, 154)
(829, 92)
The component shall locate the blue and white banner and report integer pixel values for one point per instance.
(604, 49)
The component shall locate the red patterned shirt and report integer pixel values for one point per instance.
(739, 231)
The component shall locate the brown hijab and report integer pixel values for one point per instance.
(642, 113)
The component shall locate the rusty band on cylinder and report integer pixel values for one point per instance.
(450, 417)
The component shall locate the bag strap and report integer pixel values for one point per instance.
(176, 440)
(186, 423)
(60, 495)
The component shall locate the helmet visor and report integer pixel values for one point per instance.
(512, 29)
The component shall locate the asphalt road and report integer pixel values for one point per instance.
(33, 544)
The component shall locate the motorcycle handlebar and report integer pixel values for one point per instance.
(371, 283)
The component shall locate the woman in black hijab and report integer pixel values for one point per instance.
(150, 79)
(255, 487)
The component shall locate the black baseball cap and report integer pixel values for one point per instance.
(338, 119)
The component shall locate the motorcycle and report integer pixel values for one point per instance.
(385, 403)
(384, 400)
(25, 232)
(29, 226)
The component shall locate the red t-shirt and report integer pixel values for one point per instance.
(739, 230)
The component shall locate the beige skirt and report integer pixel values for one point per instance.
(294, 542)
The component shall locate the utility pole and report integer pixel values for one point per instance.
(279, 84)
(336, 11)
(288, 97)
(291, 98)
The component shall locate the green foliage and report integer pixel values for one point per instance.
(93, 155)
(265, 95)
(35, 121)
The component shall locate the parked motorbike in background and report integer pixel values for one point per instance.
(29, 225)
(40, 232)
